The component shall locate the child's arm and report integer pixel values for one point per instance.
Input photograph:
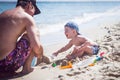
(66, 47)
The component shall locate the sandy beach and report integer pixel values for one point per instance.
(107, 35)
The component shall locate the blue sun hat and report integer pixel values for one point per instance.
(73, 25)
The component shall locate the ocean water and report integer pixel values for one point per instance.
(54, 15)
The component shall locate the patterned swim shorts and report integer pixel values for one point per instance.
(16, 58)
(95, 49)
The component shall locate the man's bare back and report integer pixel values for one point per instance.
(11, 27)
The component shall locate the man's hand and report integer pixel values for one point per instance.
(40, 52)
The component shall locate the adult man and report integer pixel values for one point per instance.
(19, 37)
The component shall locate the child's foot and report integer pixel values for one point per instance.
(64, 63)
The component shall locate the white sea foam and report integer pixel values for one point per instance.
(91, 16)
(48, 28)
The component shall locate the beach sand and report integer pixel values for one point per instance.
(107, 68)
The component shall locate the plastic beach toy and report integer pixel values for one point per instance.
(98, 58)
(67, 66)
(92, 64)
(34, 61)
(91, 61)
(84, 63)
(54, 64)
(102, 54)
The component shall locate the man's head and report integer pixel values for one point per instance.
(23, 3)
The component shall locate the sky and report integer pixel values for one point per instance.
(66, 0)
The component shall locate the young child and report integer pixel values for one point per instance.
(82, 44)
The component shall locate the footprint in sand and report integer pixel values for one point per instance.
(73, 74)
(61, 77)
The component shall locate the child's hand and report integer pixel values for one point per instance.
(53, 55)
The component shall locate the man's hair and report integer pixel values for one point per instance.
(22, 3)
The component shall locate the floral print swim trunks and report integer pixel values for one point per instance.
(16, 58)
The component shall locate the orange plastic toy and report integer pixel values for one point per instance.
(67, 66)
(92, 64)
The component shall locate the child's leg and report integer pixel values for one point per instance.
(80, 52)
(72, 55)
(85, 49)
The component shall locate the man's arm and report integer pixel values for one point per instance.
(33, 36)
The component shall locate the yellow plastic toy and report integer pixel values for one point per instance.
(67, 66)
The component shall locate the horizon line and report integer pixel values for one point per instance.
(66, 1)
